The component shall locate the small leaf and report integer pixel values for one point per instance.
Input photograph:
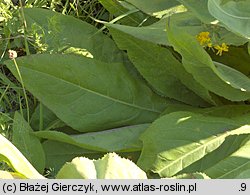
(28, 144)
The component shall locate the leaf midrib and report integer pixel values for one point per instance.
(223, 135)
(94, 92)
(234, 170)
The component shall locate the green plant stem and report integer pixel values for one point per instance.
(24, 92)
(53, 5)
(65, 7)
(41, 117)
(3, 94)
(25, 29)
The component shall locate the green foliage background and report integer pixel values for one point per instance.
(163, 83)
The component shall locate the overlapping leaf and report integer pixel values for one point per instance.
(121, 139)
(179, 139)
(188, 22)
(10, 154)
(214, 76)
(155, 8)
(236, 58)
(45, 119)
(59, 32)
(234, 14)
(27, 143)
(197, 175)
(86, 94)
(154, 33)
(10, 175)
(231, 145)
(111, 166)
(200, 9)
(232, 166)
(161, 69)
(118, 8)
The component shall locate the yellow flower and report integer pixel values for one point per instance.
(209, 45)
(221, 48)
(204, 38)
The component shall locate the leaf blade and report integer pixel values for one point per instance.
(234, 14)
(217, 78)
(187, 138)
(10, 154)
(159, 68)
(101, 91)
(111, 166)
(125, 139)
(28, 144)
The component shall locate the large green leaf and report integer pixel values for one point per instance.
(60, 32)
(111, 166)
(239, 113)
(234, 14)
(179, 139)
(121, 139)
(232, 166)
(27, 143)
(160, 69)
(10, 154)
(155, 8)
(216, 77)
(86, 94)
